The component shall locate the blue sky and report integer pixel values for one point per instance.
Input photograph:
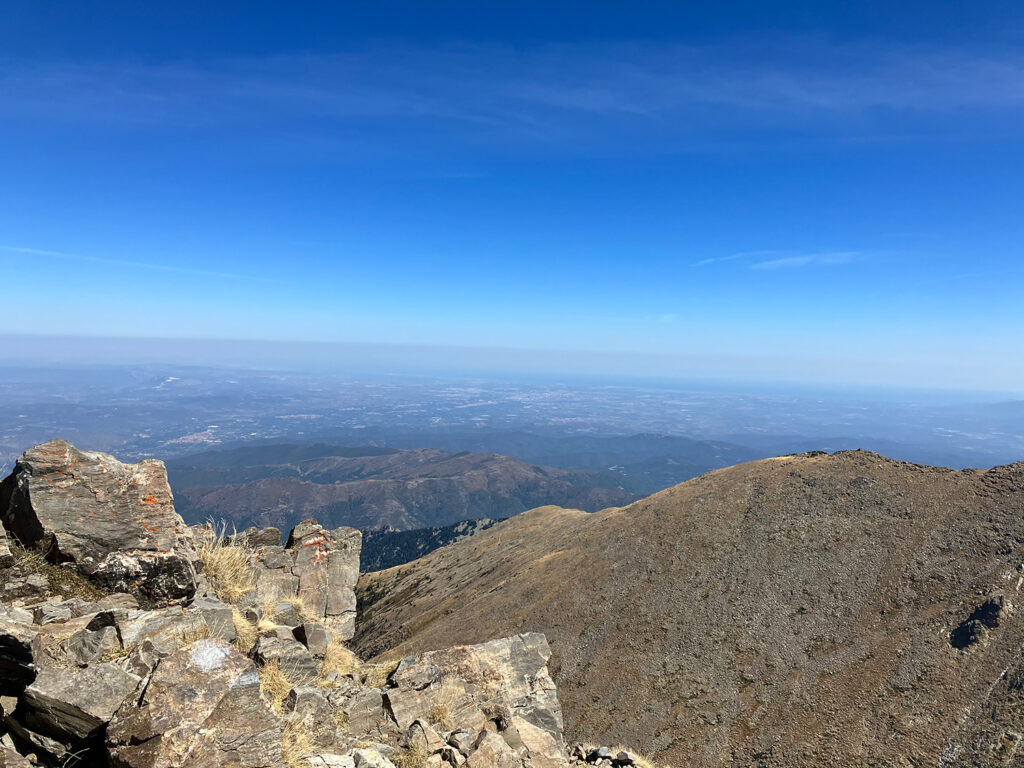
(761, 190)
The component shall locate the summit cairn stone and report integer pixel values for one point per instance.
(114, 521)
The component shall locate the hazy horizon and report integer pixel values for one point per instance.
(746, 191)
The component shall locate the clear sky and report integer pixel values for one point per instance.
(791, 188)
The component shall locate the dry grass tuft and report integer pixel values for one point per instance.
(228, 569)
(245, 632)
(413, 757)
(301, 609)
(276, 682)
(641, 760)
(296, 743)
(376, 675)
(274, 685)
(337, 659)
(442, 712)
(195, 634)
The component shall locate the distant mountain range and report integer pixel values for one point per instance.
(809, 610)
(372, 487)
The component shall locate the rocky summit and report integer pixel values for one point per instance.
(130, 640)
(805, 611)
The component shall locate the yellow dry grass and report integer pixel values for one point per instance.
(274, 685)
(195, 634)
(337, 659)
(245, 632)
(296, 743)
(442, 711)
(228, 570)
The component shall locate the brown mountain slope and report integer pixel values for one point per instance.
(793, 611)
(405, 489)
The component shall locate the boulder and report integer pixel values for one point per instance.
(254, 538)
(6, 558)
(115, 522)
(502, 685)
(73, 705)
(217, 615)
(291, 656)
(19, 646)
(90, 645)
(370, 758)
(492, 751)
(315, 636)
(202, 707)
(319, 567)
(11, 759)
(309, 709)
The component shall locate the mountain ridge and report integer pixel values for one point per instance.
(788, 611)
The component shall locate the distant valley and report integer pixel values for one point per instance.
(373, 487)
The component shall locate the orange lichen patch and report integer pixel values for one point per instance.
(150, 499)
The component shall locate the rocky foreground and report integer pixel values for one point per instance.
(129, 639)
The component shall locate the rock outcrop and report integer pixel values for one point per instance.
(318, 567)
(244, 669)
(114, 522)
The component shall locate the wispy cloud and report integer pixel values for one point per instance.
(778, 259)
(131, 264)
(549, 94)
(805, 260)
(735, 256)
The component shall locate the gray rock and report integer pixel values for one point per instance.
(6, 558)
(308, 706)
(463, 740)
(321, 567)
(88, 646)
(254, 538)
(286, 614)
(116, 522)
(503, 683)
(291, 655)
(364, 711)
(76, 704)
(51, 613)
(202, 707)
(9, 758)
(315, 636)
(166, 628)
(218, 617)
(329, 761)
(493, 752)
(370, 758)
(19, 646)
(422, 735)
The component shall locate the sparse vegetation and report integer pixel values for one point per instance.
(245, 631)
(274, 685)
(296, 743)
(63, 582)
(228, 569)
(195, 634)
(442, 712)
(276, 682)
(337, 659)
(376, 675)
(415, 756)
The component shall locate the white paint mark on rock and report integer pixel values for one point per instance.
(209, 655)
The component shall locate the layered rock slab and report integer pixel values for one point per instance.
(202, 707)
(114, 521)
